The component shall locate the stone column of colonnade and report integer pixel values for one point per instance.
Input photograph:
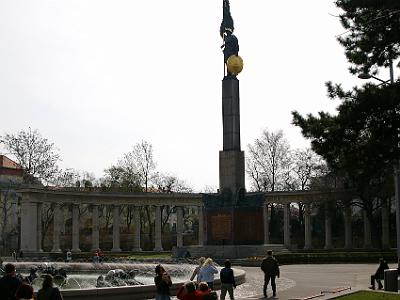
(136, 236)
(385, 225)
(56, 228)
(348, 244)
(266, 218)
(286, 225)
(14, 216)
(367, 231)
(116, 234)
(328, 228)
(179, 226)
(75, 228)
(307, 227)
(39, 227)
(29, 226)
(201, 226)
(157, 230)
(95, 228)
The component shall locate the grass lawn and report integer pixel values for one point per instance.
(150, 256)
(364, 295)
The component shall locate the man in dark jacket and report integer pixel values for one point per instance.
(9, 283)
(227, 281)
(379, 274)
(270, 267)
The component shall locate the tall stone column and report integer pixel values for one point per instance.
(179, 226)
(75, 228)
(136, 237)
(14, 216)
(348, 244)
(266, 223)
(307, 227)
(367, 231)
(231, 159)
(116, 236)
(201, 226)
(385, 225)
(29, 227)
(286, 225)
(157, 230)
(56, 228)
(328, 228)
(95, 228)
(39, 226)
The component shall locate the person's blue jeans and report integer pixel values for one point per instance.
(163, 297)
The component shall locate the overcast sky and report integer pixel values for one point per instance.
(97, 76)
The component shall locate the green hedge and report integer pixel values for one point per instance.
(327, 257)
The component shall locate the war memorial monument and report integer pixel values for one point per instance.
(231, 223)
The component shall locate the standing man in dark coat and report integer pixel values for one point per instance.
(9, 283)
(270, 268)
(227, 281)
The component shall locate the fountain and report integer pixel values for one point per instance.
(109, 280)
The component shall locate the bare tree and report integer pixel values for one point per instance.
(167, 183)
(307, 165)
(47, 219)
(66, 178)
(142, 157)
(267, 161)
(36, 155)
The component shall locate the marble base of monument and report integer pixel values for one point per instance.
(234, 219)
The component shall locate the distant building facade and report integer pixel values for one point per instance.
(10, 170)
(11, 176)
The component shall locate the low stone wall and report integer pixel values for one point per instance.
(229, 251)
(134, 292)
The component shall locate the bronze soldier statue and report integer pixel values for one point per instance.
(231, 43)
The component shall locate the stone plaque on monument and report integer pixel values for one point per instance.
(221, 227)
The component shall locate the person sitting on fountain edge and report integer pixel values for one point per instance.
(188, 292)
(206, 292)
(379, 274)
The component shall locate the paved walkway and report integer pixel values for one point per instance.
(301, 281)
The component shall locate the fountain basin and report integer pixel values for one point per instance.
(147, 291)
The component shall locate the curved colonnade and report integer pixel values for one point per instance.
(32, 200)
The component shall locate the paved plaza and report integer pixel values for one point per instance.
(301, 281)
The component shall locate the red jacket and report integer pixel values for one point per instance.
(182, 295)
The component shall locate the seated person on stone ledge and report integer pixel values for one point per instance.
(188, 292)
(206, 292)
(379, 274)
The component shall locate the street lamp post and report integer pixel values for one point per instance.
(396, 165)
